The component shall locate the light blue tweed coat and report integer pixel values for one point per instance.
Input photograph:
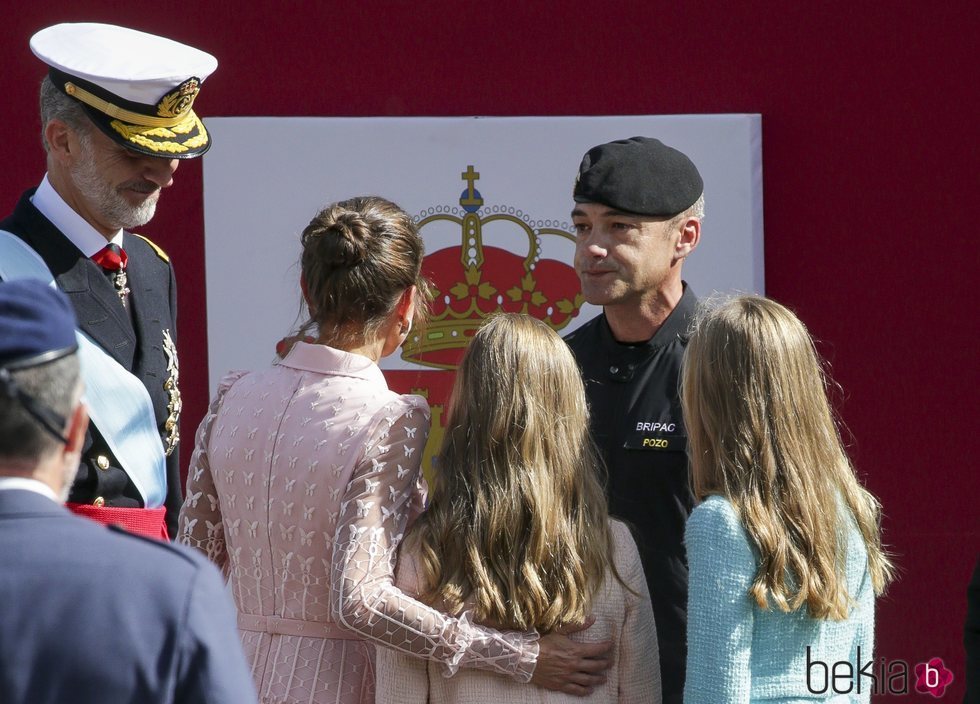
(738, 652)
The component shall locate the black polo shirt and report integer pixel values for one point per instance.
(635, 408)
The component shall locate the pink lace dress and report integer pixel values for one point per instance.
(302, 482)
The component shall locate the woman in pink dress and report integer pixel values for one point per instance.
(305, 477)
(517, 533)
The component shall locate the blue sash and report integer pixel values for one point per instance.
(117, 401)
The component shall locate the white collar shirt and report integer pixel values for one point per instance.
(27, 484)
(72, 225)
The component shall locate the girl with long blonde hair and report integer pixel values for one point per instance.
(784, 549)
(517, 535)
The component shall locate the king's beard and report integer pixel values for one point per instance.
(108, 200)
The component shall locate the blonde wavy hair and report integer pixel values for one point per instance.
(761, 434)
(517, 528)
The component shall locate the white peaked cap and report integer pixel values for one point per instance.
(138, 88)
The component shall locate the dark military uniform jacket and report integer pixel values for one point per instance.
(142, 343)
(90, 615)
(636, 421)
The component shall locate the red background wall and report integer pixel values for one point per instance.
(870, 173)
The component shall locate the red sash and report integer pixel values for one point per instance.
(148, 522)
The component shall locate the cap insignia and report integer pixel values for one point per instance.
(178, 102)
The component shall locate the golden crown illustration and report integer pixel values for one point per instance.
(475, 279)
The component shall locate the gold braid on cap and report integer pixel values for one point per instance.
(173, 108)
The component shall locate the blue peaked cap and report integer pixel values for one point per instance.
(37, 324)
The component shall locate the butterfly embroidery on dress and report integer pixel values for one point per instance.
(363, 508)
(306, 538)
(306, 564)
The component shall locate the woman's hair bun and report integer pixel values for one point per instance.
(340, 237)
(359, 256)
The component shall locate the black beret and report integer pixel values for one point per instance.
(37, 324)
(638, 175)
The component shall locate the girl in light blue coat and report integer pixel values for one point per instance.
(784, 550)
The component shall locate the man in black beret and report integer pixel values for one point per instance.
(159, 617)
(638, 212)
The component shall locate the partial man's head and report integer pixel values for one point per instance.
(42, 422)
(116, 116)
(638, 212)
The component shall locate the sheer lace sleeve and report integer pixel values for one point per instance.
(199, 523)
(384, 491)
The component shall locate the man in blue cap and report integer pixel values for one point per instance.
(638, 210)
(158, 616)
(116, 119)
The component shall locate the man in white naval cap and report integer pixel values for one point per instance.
(116, 117)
